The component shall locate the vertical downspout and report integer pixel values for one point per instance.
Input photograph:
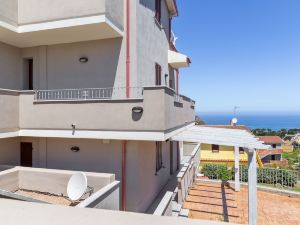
(124, 143)
(177, 81)
(128, 49)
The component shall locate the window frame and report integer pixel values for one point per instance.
(241, 150)
(215, 148)
(158, 72)
(158, 4)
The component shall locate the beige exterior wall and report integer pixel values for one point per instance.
(35, 11)
(161, 113)
(9, 111)
(98, 156)
(22, 12)
(152, 42)
(10, 65)
(58, 66)
(10, 151)
(9, 11)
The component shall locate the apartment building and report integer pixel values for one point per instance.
(92, 85)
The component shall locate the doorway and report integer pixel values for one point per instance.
(28, 74)
(26, 154)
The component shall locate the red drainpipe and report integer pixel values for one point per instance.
(177, 81)
(124, 143)
(128, 49)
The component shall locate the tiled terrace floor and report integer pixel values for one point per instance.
(216, 202)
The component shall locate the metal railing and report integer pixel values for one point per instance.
(113, 93)
(178, 98)
(266, 176)
(272, 176)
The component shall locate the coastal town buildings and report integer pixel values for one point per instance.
(274, 153)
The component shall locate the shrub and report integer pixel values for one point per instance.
(264, 175)
(216, 171)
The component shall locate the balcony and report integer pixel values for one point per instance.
(28, 23)
(150, 109)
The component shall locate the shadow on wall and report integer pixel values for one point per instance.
(66, 70)
(165, 18)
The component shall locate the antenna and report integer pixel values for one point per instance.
(174, 38)
(77, 186)
(235, 108)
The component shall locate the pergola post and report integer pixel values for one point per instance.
(252, 187)
(237, 185)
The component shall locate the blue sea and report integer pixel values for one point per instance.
(255, 120)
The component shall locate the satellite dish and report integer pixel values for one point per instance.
(234, 121)
(77, 186)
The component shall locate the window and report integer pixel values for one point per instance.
(274, 145)
(171, 83)
(157, 74)
(215, 148)
(159, 163)
(158, 10)
(241, 150)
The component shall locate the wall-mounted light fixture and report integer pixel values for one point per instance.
(137, 109)
(75, 149)
(83, 59)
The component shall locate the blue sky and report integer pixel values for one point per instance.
(244, 53)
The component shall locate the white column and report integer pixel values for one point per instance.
(252, 191)
(181, 150)
(237, 168)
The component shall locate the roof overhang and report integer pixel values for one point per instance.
(172, 6)
(177, 60)
(58, 32)
(220, 136)
(96, 134)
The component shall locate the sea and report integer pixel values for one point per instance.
(272, 121)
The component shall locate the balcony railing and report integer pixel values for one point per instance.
(178, 98)
(114, 93)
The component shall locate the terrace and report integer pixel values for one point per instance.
(50, 187)
(149, 109)
(214, 201)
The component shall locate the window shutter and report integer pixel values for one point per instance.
(158, 10)
(157, 74)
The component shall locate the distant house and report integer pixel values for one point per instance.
(221, 154)
(274, 154)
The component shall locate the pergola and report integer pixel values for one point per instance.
(236, 138)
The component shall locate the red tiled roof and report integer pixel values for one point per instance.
(265, 152)
(271, 139)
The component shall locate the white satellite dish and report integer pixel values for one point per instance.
(77, 186)
(234, 121)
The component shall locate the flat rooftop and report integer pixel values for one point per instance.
(50, 186)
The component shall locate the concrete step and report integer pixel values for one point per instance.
(184, 213)
(176, 207)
